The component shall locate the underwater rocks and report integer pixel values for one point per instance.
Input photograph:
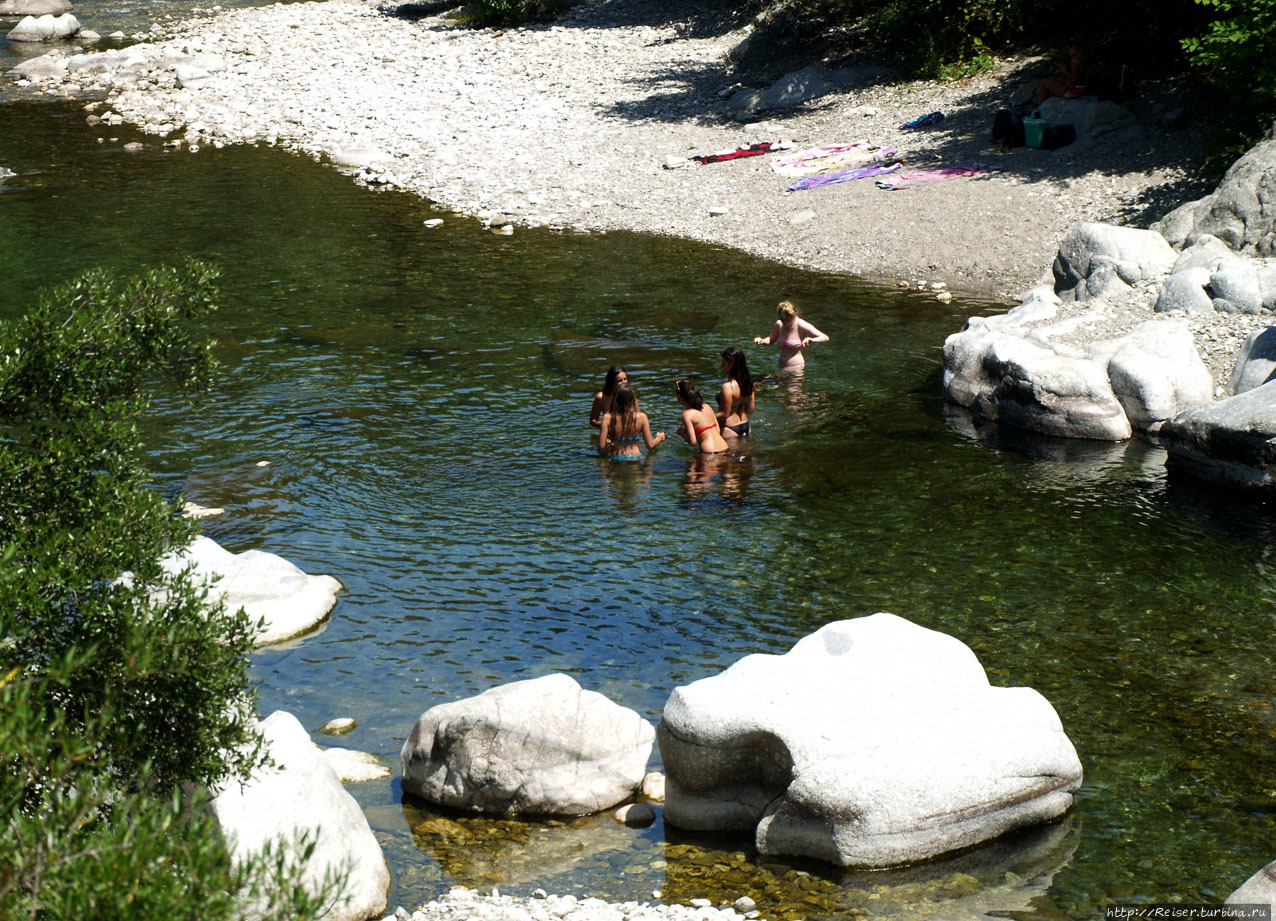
(871, 742)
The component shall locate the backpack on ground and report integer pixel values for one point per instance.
(1007, 128)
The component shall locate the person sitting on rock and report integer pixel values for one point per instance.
(1071, 80)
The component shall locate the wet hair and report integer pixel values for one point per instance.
(738, 371)
(609, 383)
(787, 311)
(689, 394)
(624, 407)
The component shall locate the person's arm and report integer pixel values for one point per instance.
(596, 411)
(809, 333)
(646, 433)
(604, 431)
(688, 428)
(768, 340)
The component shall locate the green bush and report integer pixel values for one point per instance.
(1237, 55)
(510, 12)
(121, 699)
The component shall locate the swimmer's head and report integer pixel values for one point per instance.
(688, 394)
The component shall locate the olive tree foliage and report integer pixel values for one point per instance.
(122, 699)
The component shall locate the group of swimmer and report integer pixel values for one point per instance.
(623, 426)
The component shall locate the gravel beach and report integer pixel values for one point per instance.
(569, 124)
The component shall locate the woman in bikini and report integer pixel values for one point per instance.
(602, 399)
(793, 334)
(699, 422)
(735, 399)
(624, 426)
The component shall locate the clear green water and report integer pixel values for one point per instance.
(421, 396)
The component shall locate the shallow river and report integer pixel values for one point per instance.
(421, 396)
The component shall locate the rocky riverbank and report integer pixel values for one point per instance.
(571, 125)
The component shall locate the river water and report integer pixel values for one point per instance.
(421, 397)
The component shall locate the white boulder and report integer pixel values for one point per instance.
(300, 795)
(1259, 889)
(871, 742)
(1156, 373)
(1099, 260)
(44, 28)
(266, 586)
(543, 746)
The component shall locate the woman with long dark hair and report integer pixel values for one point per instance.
(602, 399)
(624, 426)
(735, 399)
(699, 423)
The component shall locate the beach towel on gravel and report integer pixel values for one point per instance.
(913, 179)
(829, 157)
(752, 150)
(856, 172)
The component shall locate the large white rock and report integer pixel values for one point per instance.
(1156, 373)
(1098, 260)
(871, 742)
(44, 28)
(999, 374)
(263, 584)
(302, 794)
(542, 746)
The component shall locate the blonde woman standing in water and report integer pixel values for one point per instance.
(794, 336)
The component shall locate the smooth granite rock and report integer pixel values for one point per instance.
(543, 746)
(1156, 373)
(44, 28)
(1097, 260)
(302, 794)
(1231, 442)
(1185, 291)
(1238, 212)
(999, 374)
(263, 584)
(871, 742)
(1256, 363)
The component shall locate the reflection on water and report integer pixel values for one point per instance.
(422, 401)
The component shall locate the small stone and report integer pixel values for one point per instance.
(944, 296)
(701, 903)
(505, 230)
(192, 510)
(719, 210)
(744, 905)
(134, 146)
(801, 217)
(672, 162)
(401, 914)
(635, 815)
(432, 222)
(338, 727)
(653, 787)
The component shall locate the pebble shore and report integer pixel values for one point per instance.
(467, 905)
(570, 124)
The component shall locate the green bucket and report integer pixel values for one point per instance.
(1034, 131)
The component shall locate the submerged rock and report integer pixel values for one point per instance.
(542, 747)
(918, 755)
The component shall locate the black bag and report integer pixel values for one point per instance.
(1057, 136)
(1007, 128)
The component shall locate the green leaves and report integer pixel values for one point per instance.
(120, 698)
